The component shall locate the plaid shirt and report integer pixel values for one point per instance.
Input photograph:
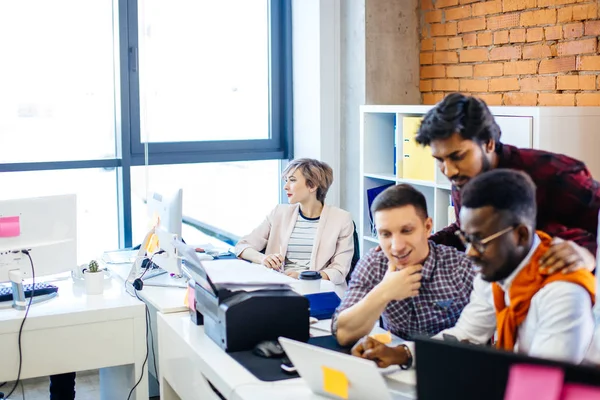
(568, 198)
(446, 284)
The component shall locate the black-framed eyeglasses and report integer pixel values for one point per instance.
(481, 244)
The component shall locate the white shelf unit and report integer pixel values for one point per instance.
(569, 130)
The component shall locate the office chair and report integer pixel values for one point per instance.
(355, 256)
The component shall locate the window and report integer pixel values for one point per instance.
(199, 90)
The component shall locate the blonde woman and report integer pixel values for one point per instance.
(306, 234)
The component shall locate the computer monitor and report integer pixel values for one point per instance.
(166, 213)
(44, 227)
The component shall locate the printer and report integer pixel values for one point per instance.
(237, 320)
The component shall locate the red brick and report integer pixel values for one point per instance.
(445, 85)
(441, 44)
(448, 29)
(592, 28)
(473, 55)
(473, 85)
(560, 64)
(445, 3)
(539, 17)
(500, 37)
(505, 53)
(520, 99)
(517, 35)
(574, 30)
(490, 69)
(538, 83)
(577, 13)
(445, 57)
(487, 7)
(471, 25)
(549, 3)
(553, 32)
(426, 86)
(433, 71)
(426, 58)
(587, 99)
(551, 99)
(459, 71)
(576, 82)
(455, 43)
(470, 39)
(432, 98)
(514, 5)
(503, 21)
(484, 39)
(426, 44)
(536, 51)
(535, 34)
(494, 99)
(503, 84)
(426, 5)
(588, 63)
(577, 47)
(520, 67)
(462, 12)
(433, 16)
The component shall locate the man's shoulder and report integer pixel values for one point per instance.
(539, 163)
(447, 254)
(374, 257)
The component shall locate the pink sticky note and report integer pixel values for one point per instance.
(580, 392)
(192, 298)
(526, 382)
(10, 227)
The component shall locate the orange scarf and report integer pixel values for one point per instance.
(525, 285)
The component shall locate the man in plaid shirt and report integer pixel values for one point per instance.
(465, 140)
(416, 285)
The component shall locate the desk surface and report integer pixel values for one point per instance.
(171, 299)
(72, 306)
(233, 380)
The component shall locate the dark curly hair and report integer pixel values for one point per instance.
(469, 116)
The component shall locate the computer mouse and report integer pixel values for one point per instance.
(268, 349)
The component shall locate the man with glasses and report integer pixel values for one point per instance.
(542, 314)
(465, 140)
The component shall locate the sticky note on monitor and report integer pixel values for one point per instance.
(10, 227)
(580, 392)
(335, 382)
(385, 338)
(526, 381)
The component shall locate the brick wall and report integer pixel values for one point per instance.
(511, 52)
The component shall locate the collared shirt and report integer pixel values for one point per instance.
(447, 281)
(559, 324)
(568, 198)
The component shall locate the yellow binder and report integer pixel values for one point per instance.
(417, 162)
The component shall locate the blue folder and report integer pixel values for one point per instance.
(323, 305)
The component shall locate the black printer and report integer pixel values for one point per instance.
(237, 320)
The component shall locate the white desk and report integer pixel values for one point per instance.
(187, 354)
(76, 332)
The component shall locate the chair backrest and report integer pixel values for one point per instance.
(355, 256)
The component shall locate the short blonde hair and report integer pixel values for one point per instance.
(317, 174)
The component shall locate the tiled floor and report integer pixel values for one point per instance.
(87, 388)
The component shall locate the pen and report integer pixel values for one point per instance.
(281, 252)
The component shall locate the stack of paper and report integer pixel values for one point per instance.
(238, 273)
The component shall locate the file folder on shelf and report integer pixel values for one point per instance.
(417, 162)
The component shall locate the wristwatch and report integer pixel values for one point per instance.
(409, 360)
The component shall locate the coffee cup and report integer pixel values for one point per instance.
(310, 282)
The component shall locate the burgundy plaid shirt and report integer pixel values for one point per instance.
(568, 198)
(447, 283)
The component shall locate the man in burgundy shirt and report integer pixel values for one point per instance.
(465, 140)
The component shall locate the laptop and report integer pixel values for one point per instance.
(364, 377)
(452, 370)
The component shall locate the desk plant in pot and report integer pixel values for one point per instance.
(93, 276)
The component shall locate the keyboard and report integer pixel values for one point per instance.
(41, 288)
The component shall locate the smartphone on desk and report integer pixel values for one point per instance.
(287, 366)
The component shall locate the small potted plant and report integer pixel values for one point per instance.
(93, 276)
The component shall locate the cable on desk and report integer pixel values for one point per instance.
(151, 336)
(23, 323)
(147, 350)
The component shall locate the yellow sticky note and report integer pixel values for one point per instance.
(152, 244)
(385, 338)
(186, 299)
(154, 221)
(335, 382)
